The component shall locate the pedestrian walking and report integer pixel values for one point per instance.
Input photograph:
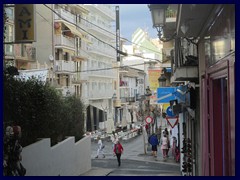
(168, 145)
(114, 139)
(153, 140)
(100, 148)
(118, 150)
(164, 146)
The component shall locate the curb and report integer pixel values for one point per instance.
(97, 172)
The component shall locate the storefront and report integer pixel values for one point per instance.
(218, 96)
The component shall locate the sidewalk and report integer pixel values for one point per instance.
(96, 171)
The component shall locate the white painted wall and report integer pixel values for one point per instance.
(66, 158)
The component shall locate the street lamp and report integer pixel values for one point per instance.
(158, 16)
(162, 83)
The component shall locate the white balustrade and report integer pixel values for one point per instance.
(63, 65)
(61, 40)
(65, 15)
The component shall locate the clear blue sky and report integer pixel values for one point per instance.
(133, 16)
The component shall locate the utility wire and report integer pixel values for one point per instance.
(125, 54)
(132, 65)
(80, 27)
(113, 33)
(90, 56)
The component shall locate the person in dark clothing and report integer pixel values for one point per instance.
(153, 140)
(118, 150)
(12, 152)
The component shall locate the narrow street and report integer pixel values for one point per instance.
(134, 161)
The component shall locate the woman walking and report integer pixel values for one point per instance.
(164, 146)
(118, 150)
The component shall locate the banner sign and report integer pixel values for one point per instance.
(25, 23)
(153, 78)
(39, 74)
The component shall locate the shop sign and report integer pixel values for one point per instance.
(25, 23)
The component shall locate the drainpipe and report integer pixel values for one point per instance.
(53, 45)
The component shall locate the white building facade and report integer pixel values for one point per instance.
(97, 72)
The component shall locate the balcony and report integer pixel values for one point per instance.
(67, 90)
(65, 15)
(171, 15)
(100, 94)
(105, 10)
(123, 83)
(103, 51)
(185, 73)
(61, 40)
(102, 73)
(130, 99)
(63, 66)
(126, 100)
(171, 18)
(81, 55)
(100, 32)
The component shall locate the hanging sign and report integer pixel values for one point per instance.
(25, 24)
(148, 119)
(172, 121)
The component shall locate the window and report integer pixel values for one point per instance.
(9, 12)
(9, 33)
(9, 38)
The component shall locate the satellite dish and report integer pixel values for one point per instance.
(50, 57)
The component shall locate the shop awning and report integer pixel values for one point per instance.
(73, 30)
(70, 51)
(76, 32)
(79, 58)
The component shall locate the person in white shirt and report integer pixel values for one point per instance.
(100, 148)
(164, 146)
(114, 139)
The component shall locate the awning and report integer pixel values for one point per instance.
(70, 51)
(79, 58)
(76, 32)
(73, 30)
